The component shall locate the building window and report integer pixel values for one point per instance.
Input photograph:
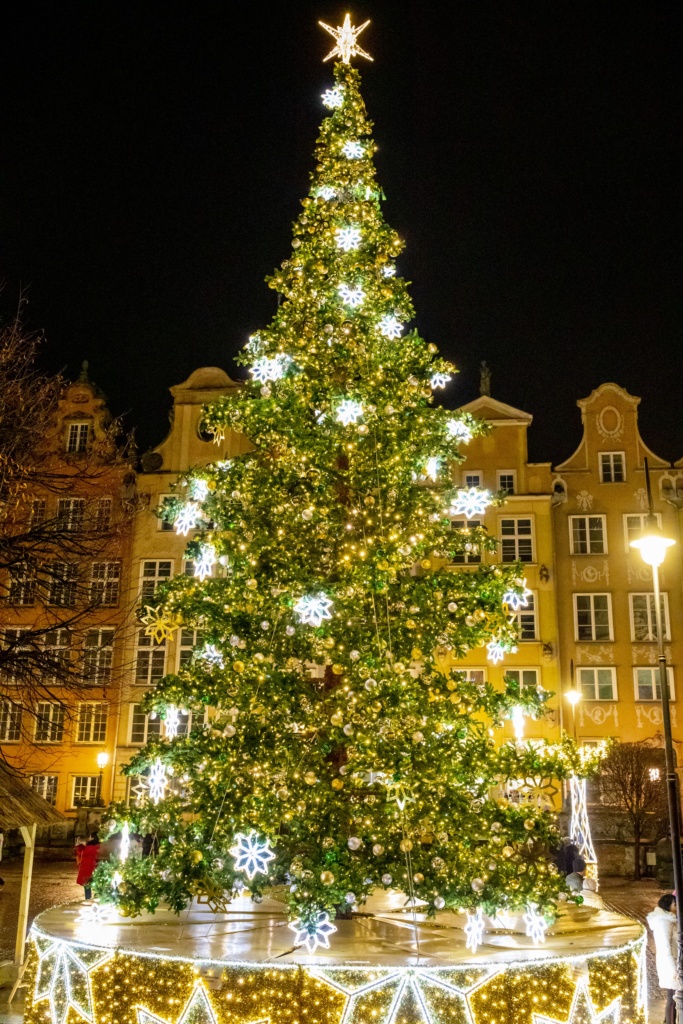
(472, 478)
(471, 554)
(71, 514)
(189, 639)
(154, 573)
(507, 480)
(189, 567)
(517, 544)
(474, 675)
(142, 727)
(612, 467)
(634, 524)
(163, 525)
(587, 535)
(150, 664)
(102, 515)
(63, 584)
(647, 686)
(98, 656)
(92, 722)
(38, 512)
(57, 648)
(49, 723)
(597, 683)
(593, 616)
(77, 437)
(104, 583)
(45, 786)
(17, 665)
(22, 586)
(85, 790)
(527, 678)
(526, 620)
(643, 621)
(10, 721)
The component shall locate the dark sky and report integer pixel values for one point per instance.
(154, 155)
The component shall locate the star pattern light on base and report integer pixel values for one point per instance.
(197, 1010)
(312, 609)
(582, 1011)
(159, 623)
(474, 930)
(536, 925)
(346, 37)
(347, 238)
(349, 411)
(470, 502)
(390, 327)
(251, 854)
(313, 935)
(63, 977)
(157, 781)
(187, 518)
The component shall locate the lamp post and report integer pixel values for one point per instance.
(102, 761)
(652, 545)
(573, 696)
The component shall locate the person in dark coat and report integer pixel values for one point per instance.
(87, 862)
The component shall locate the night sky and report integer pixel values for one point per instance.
(154, 156)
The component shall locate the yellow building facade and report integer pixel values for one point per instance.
(604, 590)
(158, 553)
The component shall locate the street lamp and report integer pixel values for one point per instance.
(652, 545)
(102, 761)
(573, 696)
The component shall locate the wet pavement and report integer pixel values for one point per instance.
(55, 882)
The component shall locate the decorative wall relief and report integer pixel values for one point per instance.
(641, 498)
(647, 654)
(651, 714)
(590, 574)
(610, 424)
(585, 501)
(637, 573)
(598, 714)
(589, 654)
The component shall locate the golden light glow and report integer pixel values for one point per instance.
(346, 36)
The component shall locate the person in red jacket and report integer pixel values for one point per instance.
(87, 862)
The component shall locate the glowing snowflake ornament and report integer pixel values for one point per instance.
(207, 559)
(347, 238)
(352, 150)
(515, 601)
(390, 327)
(333, 98)
(199, 489)
(536, 925)
(97, 913)
(432, 467)
(313, 935)
(474, 930)
(172, 721)
(312, 609)
(470, 502)
(187, 519)
(440, 380)
(157, 781)
(211, 654)
(251, 855)
(326, 192)
(349, 411)
(265, 369)
(460, 431)
(389, 270)
(353, 297)
(495, 651)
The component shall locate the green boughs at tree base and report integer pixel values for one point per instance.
(331, 618)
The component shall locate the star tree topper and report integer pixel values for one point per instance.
(346, 36)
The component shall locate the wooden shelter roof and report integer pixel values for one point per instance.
(19, 805)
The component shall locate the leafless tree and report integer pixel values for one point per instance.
(633, 779)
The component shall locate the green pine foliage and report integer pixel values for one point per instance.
(352, 744)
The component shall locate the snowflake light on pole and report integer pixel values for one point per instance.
(515, 601)
(474, 929)
(207, 559)
(313, 935)
(352, 150)
(157, 781)
(390, 327)
(440, 380)
(333, 98)
(346, 37)
(536, 925)
(353, 297)
(470, 502)
(187, 519)
(349, 411)
(347, 238)
(459, 430)
(171, 722)
(312, 609)
(252, 855)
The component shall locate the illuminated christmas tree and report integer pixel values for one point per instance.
(343, 751)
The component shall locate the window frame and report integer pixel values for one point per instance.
(652, 638)
(98, 655)
(63, 591)
(467, 557)
(60, 641)
(516, 537)
(642, 516)
(149, 646)
(81, 439)
(595, 669)
(10, 720)
(156, 579)
(54, 719)
(107, 586)
(71, 514)
(21, 587)
(135, 712)
(92, 722)
(587, 516)
(93, 783)
(478, 473)
(506, 472)
(601, 468)
(593, 639)
(654, 670)
(530, 609)
(525, 668)
(182, 648)
(51, 784)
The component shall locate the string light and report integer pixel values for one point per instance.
(440, 380)
(474, 929)
(172, 722)
(346, 40)
(353, 297)
(352, 150)
(459, 430)
(515, 600)
(536, 925)
(124, 845)
(207, 559)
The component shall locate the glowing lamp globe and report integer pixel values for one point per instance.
(102, 759)
(652, 543)
(573, 696)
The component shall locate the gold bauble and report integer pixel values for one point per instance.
(406, 845)
(326, 877)
(197, 855)
(410, 624)
(337, 783)
(418, 878)
(310, 778)
(426, 563)
(338, 670)
(238, 666)
(337, 719)
(416, 654)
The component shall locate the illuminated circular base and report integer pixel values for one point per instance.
(386, 968)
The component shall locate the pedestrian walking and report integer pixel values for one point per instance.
(662, 922)
(87, 862)
(576, 879)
